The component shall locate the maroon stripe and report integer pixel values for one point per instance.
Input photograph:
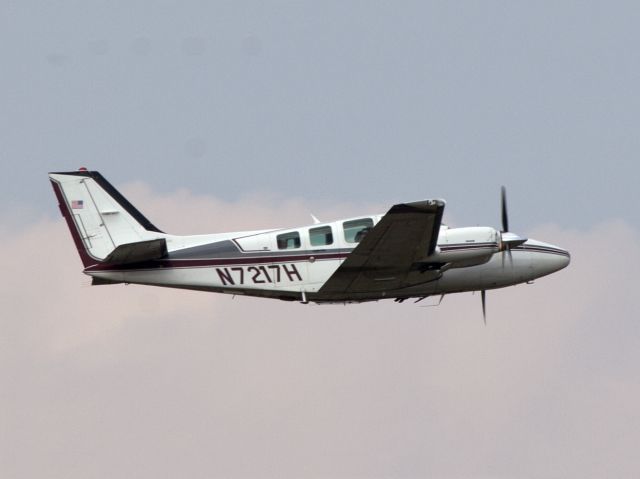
(195, 263)
(538, 249)
(466, 246)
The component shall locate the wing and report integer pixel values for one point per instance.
(392, 255)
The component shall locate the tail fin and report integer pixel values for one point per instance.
(99, 217)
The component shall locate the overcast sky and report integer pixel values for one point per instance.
(217, 116)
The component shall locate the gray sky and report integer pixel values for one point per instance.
(371, 101)
(217, 116)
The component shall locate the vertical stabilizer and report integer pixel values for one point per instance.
(99, 217)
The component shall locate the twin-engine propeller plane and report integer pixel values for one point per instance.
(405, 253)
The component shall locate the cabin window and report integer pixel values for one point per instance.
(321, 236)
(355, 230)
(289, 240)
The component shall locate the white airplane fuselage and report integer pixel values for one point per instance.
(402, 254)
(258, 268)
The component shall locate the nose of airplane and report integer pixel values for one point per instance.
(562, 261)
(547, 258)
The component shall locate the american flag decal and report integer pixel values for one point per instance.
(77, 204)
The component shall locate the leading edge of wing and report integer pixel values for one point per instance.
(430, 207)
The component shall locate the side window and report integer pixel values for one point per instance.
(355, 230)
(321, 236)
(289, 240)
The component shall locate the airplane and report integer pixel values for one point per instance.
(406, 253)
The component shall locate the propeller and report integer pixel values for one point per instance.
(503, 208)
(508, 240)
(505, 225)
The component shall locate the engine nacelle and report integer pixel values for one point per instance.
(463, 247)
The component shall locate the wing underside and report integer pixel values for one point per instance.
(394, 254)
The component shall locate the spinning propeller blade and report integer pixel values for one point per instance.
(483, 296)
(508, 240)
(505, 223)
(503, 208)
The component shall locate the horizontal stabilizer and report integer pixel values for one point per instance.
(95, 281)
(138, 252)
